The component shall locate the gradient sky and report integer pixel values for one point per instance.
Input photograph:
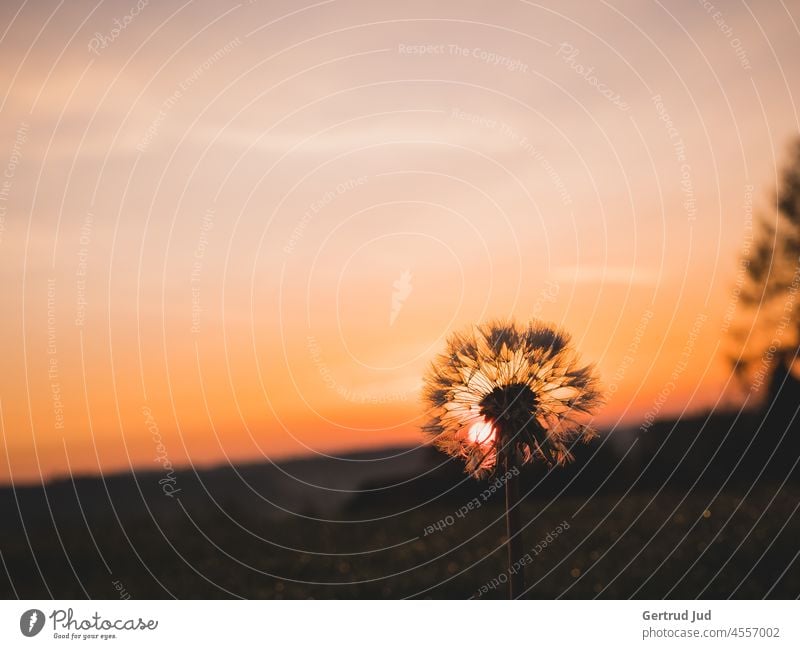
(243, 231)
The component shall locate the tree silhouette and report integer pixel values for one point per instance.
(767, 348)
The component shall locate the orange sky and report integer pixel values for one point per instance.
(258, 222)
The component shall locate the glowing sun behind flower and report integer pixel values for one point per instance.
(501, 396)
(481, 432)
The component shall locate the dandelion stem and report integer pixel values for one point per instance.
(504, 395)
(516, 568)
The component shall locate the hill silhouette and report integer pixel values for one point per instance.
(704, 506)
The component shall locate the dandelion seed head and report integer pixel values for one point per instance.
(503, 388)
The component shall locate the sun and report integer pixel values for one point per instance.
(481, 432)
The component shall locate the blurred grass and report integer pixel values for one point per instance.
(616, 547)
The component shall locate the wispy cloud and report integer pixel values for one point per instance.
(605, 275)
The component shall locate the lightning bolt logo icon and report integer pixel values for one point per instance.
(31, 622)
(402, 289)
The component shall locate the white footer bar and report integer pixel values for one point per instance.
(402, 624)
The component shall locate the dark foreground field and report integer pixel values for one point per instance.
(613, 546)
(634, 547)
